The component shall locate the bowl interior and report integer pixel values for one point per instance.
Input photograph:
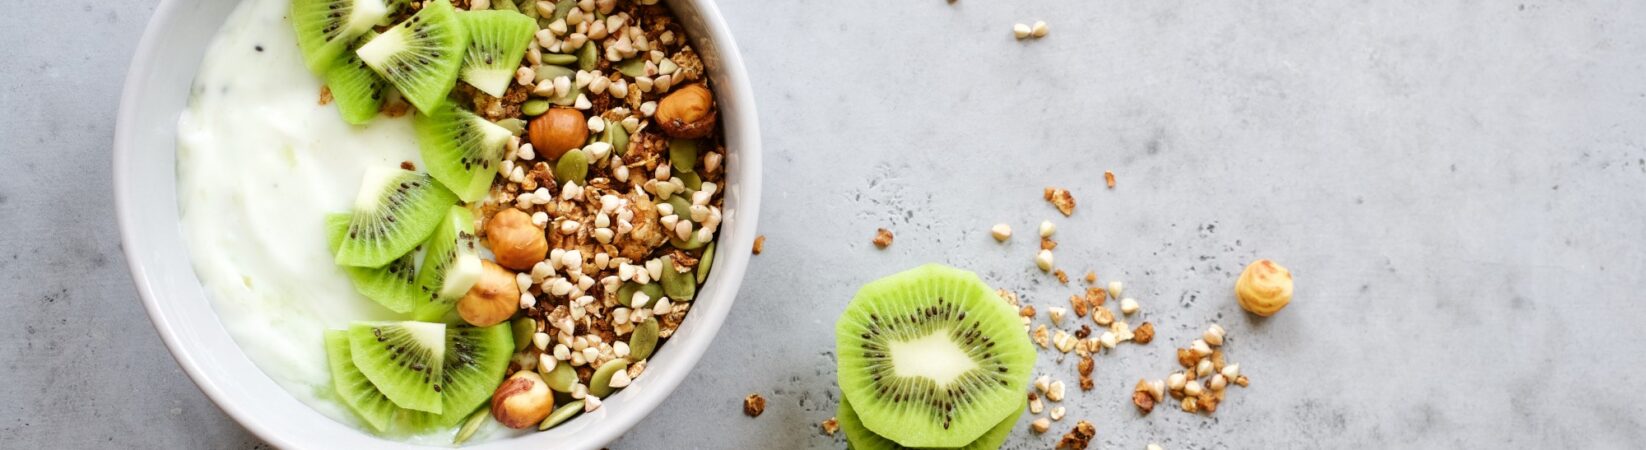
(157, 90)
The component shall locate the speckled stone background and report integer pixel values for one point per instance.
(1459, 187)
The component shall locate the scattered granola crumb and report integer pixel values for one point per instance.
(1027, 311)
(1096, 296)
(1047, 244)
(1142, 398)
(1085, 369)
(1091, 277)
(1079, 304)
(1061, 277)
(1144, 333)
(753, 405)
(1008, 296)
(759, 243)
(407, 165)
(325, 95)
(1078, 438)
(1108, 178)
(1061, 199)
(830, 426)
(1041, 337)
(882, 238)
(1040, 425)
(394, 108)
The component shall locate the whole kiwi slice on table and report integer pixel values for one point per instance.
(860, 438)
(461, 149)
(931, 357)
(394, 285)
(404, 360)
(421, 56)
(326, 28)
(393, 212)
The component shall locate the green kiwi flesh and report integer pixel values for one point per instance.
(476, 358)
(326, 28)
(393, 212)
(497, 42)
(451, 264)
(352, 386)
(860, 438)
(421, 56)
(394, 286)
(460, 149)
(404, 360)
(931, 357)
(355, 88)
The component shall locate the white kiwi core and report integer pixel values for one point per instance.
(933, 356)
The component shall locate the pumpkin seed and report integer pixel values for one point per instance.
(600, 384)
(643, 340)
(515, 126)
(704, 262)
(588, 56)
(618, 137)
(562, 414)
(562, 378)
(625, 293)
(535, 107)
(683, 154)
(573, 166)
(682, 207)
(524, 328)
(689, 244)
(633, 67)
(693, 182)
(550, 72)
(559, 59)
(678, 286)
(471, 425)
(562, 7)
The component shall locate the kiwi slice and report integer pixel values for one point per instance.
(404, 360)
(393, 212)
(860, 438)
(326, 28)
(476, 358)
(451, 264)
(931, 357)
(461, 149)
(352, 386)
(357, 91)
(394, 285)
(420, 57)
(497, 42)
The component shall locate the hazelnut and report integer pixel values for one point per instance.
(688, 113)
(517, 243)
(557, 131)
(522, 400)
(1264, 288)
(493, 299)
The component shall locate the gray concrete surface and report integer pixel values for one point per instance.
(1459, 187)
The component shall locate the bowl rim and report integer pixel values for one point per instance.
(733, 83)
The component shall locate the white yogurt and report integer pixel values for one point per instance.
(260, 163)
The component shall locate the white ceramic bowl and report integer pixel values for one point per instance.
(145, 183)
